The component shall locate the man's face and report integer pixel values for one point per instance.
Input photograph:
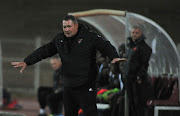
(55, 63)
(135, 34)
(69, 28)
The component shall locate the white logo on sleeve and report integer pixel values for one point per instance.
(90, 89)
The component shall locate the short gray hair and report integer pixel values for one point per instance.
(136, 27)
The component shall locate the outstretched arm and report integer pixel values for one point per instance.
(43, 52)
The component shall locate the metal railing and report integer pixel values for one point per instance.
(1, 77)
(33, 76)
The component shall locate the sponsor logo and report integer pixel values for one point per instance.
(79, 41)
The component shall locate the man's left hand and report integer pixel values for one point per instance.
(118, 60)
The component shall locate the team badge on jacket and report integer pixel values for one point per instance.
(79, 41)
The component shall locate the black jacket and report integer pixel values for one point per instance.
(81, 59)
(138, 55)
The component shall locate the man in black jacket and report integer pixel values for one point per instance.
(77, 47)
(138, 55)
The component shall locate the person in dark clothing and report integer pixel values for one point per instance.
(77, 47)
(8, 102)
(118, 100)
(103, 78)
(122, 50)
(6, 97)
(138, 55)
(52, 96)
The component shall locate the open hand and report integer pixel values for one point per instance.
(118, 60)
(19, 64)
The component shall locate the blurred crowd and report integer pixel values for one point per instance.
(110, 82)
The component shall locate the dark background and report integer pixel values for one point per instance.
(23, 19)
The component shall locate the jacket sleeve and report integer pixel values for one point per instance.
(105, 47)
(43, 52)
(144, 59)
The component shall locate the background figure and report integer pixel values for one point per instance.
(52, 96)
(117, 101)
(138, 55)
(8, 102)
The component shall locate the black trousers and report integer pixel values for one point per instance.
(6, 97)
(135, 93)
(80, 97)
(46, 96)
(117, 104)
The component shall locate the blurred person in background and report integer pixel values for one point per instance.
(99, 59)
(118, 100)
(52, 96)
(77, 46)
(8, 102)
(122, 50)
(135, 73)
(108, 83)
(103, 73)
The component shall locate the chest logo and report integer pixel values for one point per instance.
(134, 48)
(79, 41)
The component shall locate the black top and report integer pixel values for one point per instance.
(138, 56)
(57, 79)
(78, 61)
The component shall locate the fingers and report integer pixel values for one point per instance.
(123, 59)
(22, 69)
(19, 64)
(15, 63)
(118, 60)
(115, 60)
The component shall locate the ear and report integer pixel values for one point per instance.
(77, 25)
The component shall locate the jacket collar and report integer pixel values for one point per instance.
(83, 29)
(133, 43)
(140, 39)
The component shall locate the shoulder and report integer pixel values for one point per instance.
(59, 36)
(87, 32)
(93, 35)
(146, 47)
